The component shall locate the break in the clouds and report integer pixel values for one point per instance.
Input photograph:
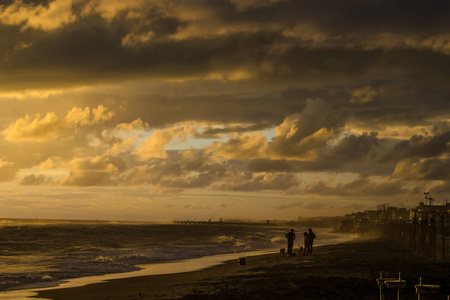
(276, 101)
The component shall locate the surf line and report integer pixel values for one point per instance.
(160, 268)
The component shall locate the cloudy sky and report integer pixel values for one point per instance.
(196, 109)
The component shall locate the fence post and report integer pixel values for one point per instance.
(415, 233)
(432, 227)
(443, 237)
(424, 245)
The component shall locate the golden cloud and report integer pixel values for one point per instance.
(363, 95)
(109, 9)
(56, 14)
(51, 127)
(252, 145)
(137, 39)
(37, 129)
(154, 146)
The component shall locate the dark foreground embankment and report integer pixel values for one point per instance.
(342, 271)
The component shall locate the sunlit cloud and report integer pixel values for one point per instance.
(154, 146)
(51, 127)
(281, 104)
(253, 145)
(21, 95)
(50, 17)
(258, 182)
(363, 95)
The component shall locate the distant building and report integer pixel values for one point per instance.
(430, 210)
(387, 214)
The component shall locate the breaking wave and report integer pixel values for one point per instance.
(43, 255)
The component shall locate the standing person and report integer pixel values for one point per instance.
(291, 237)
(306, 249)
(311, 237)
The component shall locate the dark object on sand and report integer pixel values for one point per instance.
(282, 250)
(423, 289)
(397, 284)
(382, 284)
(242, 261)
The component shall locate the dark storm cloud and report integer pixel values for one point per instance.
(413, 101)
(424, 169)
(288, 206)
(270, 181)
(311, 129)
(420, 146)
(358, 154)
(298, 39)
(89, 178)
(261, 111)
(216, 132)
(35, 180)
(355, 148)
(352, 86)
(331, 48)
(270, 165)
(358, 187)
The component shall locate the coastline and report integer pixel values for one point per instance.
(152, 269)
(184, 262)
(340, 271)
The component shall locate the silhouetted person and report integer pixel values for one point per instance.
(306, 249)
(311, 237)
(291, 237)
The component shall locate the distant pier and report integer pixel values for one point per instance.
(232, 222)
(188, 222)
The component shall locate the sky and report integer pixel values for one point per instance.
(159, 110)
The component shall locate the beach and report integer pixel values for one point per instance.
(342, 271)
(88, 252)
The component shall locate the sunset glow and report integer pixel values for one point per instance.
(273, 109)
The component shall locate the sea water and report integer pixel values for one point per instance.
(44, 254)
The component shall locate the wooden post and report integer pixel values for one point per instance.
(420, 297)
(415, 233)
(433, 252)
(443, 237)
(381, 284)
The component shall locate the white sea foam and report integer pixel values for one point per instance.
(45, 255)
(277, 239)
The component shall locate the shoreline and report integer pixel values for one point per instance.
(154, 268)
(338, 271)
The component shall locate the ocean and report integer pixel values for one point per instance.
(38, 254)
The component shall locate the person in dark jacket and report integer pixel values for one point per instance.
(306, 249)
(290, 237)
(311, 237)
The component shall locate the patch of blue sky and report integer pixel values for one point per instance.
(193, 142)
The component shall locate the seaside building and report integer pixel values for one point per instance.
(424, 210)
(383, 214)
(386, 213)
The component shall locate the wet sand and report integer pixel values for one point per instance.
(342, 271)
